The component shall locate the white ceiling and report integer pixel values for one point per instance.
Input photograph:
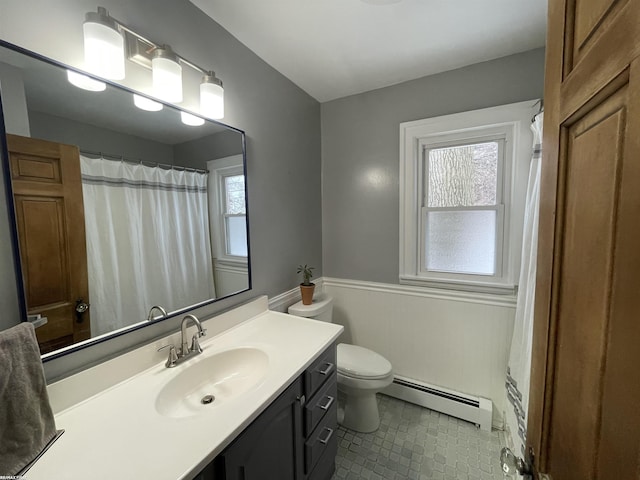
(335, 48)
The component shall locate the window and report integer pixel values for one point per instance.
(462, 214)
(234, 214)
(227, 207)
(462, 198)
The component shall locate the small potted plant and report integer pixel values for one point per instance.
(306, 287)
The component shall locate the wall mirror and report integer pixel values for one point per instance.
(117, 209)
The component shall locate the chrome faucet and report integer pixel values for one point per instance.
(156, 307)
(195, 345)
(186, 351)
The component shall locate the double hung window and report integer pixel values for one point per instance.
(462, 196)
(234, 213)
(227, 207)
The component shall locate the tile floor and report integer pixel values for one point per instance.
(418, 444)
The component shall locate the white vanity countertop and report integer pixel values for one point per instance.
(118, 433)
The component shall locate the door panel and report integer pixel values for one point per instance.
(589, 18)
(619, 446)
(593, 158)
(43, 241)
(584, 420)
(47, 190)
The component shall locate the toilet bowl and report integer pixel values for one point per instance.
(361, 372)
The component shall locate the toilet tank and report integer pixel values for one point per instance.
(321, 309)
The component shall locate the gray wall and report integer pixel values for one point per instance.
(96, 139)
(360, 149)
(197, 153)
(282, 124)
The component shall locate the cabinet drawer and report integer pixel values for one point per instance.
(322, 440)
(322, 369)
(320, 404)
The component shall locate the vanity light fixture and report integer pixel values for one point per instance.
(211, 96)
(84, 82)
(191, 120)
(103, 45)
(167, 75)
(108, 42)
(147, 104)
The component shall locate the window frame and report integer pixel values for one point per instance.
(508, 122)
(219, 169)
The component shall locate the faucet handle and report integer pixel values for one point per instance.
(173, 356)
(195, 344)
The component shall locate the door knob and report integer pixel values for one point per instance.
(511, 464)
(81, 307)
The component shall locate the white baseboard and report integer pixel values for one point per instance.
(473, 409)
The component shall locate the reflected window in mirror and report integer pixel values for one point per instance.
(235, 221)
(229, 223)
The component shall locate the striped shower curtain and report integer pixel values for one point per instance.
(147, 240)
(519, 366)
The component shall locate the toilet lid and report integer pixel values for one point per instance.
(359, 362)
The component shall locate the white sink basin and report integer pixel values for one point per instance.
(223, 375)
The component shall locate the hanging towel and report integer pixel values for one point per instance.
(26, 419)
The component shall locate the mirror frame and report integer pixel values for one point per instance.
(4, 152)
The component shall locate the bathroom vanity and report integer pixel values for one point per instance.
(274, 414)
(293, 438)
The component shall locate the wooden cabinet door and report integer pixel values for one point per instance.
(272, 446)
(47, 193)
(584, 420)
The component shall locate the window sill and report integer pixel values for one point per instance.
(232, 261)
(460, 286)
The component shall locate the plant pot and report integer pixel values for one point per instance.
(307, 293)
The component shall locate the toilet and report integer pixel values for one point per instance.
(361, 372)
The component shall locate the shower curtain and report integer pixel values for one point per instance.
(148, 242)
(519, 367)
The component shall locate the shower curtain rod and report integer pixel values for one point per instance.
(139, 161)
(540, 110)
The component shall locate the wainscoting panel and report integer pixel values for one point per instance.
(230, 278)
(451, 339)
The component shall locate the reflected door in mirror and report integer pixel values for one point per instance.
(47, 192)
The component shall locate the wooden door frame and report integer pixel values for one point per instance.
(11, 216)
(543, 349)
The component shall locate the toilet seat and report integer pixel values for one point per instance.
(358, 362)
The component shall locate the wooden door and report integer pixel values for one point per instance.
(584, 411)
(47, 192)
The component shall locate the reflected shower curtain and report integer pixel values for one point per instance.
(147, 240)
(519, 367)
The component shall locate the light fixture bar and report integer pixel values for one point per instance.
(165, 64)
(140, 49)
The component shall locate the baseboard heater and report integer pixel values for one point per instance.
(466, 407)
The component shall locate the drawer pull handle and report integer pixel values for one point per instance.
(324, 441)
(327, 369)
(326, 406)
